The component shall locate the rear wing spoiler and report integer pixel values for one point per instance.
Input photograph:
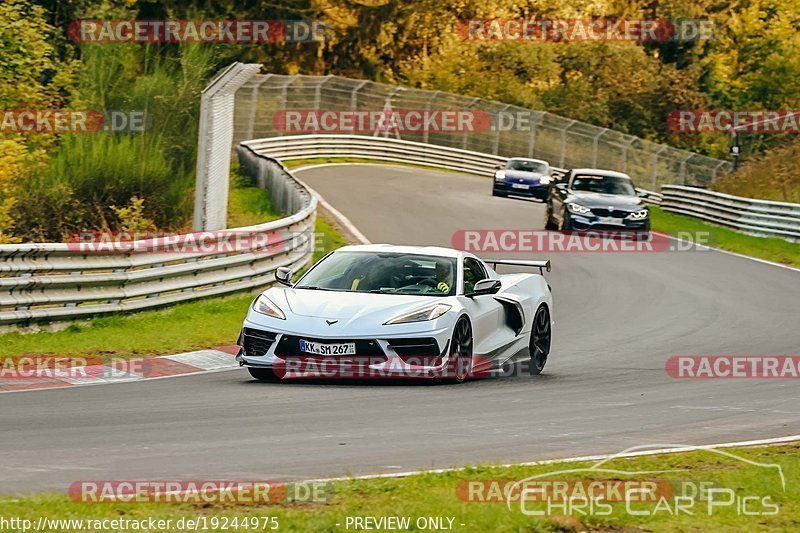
(541, 265)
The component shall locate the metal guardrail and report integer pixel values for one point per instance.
(46, 282)
(756, 217)
(386, 149)
(747, 215)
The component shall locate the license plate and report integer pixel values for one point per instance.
(611, 220)
(520, 186)
(317, 348)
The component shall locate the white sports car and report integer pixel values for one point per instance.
(399, 311)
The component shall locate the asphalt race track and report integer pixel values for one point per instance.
(618, 318)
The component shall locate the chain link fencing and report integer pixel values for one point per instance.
(563, 142)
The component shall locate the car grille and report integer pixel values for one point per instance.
(257, 342)
(616, 213)
(289, 346)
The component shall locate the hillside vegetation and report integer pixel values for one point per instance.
(54, 185)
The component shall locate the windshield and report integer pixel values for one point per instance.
(603, 184)
(527, 166)
(385, 273)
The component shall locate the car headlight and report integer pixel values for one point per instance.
(421, 315)
(544, 180)
(500, 175)
(265, 306)
(638, 215)
(578, 209)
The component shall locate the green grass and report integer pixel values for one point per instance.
(688, 228)
(435, 495)
(183, 327)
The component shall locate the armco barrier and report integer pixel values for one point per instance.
(756, 217)
(385, 149)
(44, 282)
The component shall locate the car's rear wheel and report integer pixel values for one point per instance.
(460, 360)
(541, 336)
(548, 218)
(262, 374)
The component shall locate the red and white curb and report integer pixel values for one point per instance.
(142, 369)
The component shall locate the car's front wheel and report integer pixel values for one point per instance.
(541, 336)
(460, 359)
(566, 221)
(262, 374)
(549, 223)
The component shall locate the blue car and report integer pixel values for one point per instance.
(522, 177)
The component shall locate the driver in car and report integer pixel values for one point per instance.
(444, 277)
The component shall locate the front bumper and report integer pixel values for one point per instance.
(403, 356)
(532, 191)
(594, 222)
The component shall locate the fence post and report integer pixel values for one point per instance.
(215, 137)
(683, 168)
(564, 143)
(354, 96)
(427, 110)
(251, 121)
(318, 92)
(532, 136)
(655, 167)
(496, 147)
(594, 146)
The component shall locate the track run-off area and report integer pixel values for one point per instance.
(618, 318)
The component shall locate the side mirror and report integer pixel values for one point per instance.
(555, 175)
(284, 275)
(562, 186)
(642, 193)
(499, 166)
(486, 286)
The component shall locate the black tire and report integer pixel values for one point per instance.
(548, 218)
(262, 374)
(459, 364)
(541, 337)
(566, 221)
